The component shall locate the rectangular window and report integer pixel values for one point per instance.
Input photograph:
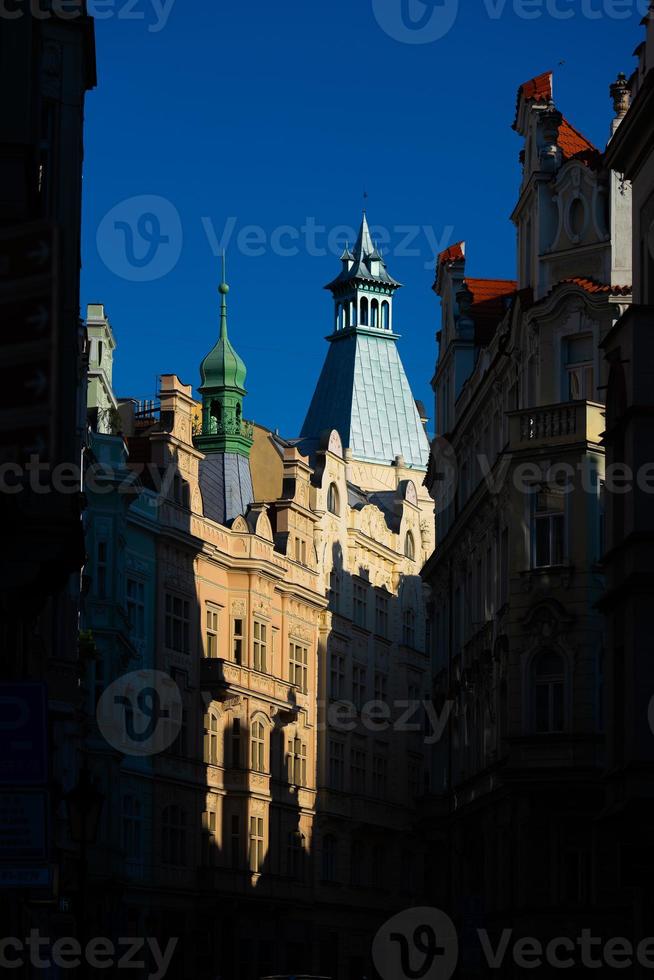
(235, 840)
(334, 591)
(209, 838)
(381, 615)
(211, 633)
(237, 641)
(578, 353)
(379, 774)
(548, 530)
(381, 687)
(236, 743)
(359, 683)
(360, 600)
(177, 624)
(211, 739)
(256, 844)
(336, 765)
(136, 608)
(260, 646)
(297, 762)
(132, 828)
(409, 628)
(358, 770)
(101, 570)
(298, 666)
(336, 676)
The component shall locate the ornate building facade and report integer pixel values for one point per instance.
(281, 827)
(518, 478)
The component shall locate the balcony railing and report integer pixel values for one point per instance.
(561, 424)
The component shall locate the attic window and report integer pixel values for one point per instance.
(333, 502)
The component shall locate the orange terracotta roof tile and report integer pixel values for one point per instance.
(489, 295)
(574, 144)
(489, 304)
(455, 253)
(537, 89)
(592, 286)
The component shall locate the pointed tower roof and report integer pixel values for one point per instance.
(363, 256)
(226, 438)
(363, 391)
(222, 367)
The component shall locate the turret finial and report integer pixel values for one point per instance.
(223, 289)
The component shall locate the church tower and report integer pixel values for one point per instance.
(226, 438)
(363, 390)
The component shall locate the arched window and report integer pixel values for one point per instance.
(339, 317)
(216, 414)
(258, 745)
(329, 859)
(173, 836)
(410, 547)
(348, 307)
(364, 312)
(333, 502)
(386, 315)
(549, 692)
(374, 313)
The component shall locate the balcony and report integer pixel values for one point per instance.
(565, 424)
(225, 679)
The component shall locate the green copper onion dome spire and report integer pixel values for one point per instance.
(222, 367)
(223, 388)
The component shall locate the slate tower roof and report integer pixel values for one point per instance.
(363, 390)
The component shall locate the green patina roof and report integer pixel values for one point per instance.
(222, 367)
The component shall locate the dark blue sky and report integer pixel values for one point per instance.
(280, 114)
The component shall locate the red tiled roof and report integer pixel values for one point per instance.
(454, 253)
(489, 295)
(574, 144)
(537, 89)
(489, 304)
(592, 286)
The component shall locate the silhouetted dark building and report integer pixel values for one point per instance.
(629, 560)
(47, 64)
